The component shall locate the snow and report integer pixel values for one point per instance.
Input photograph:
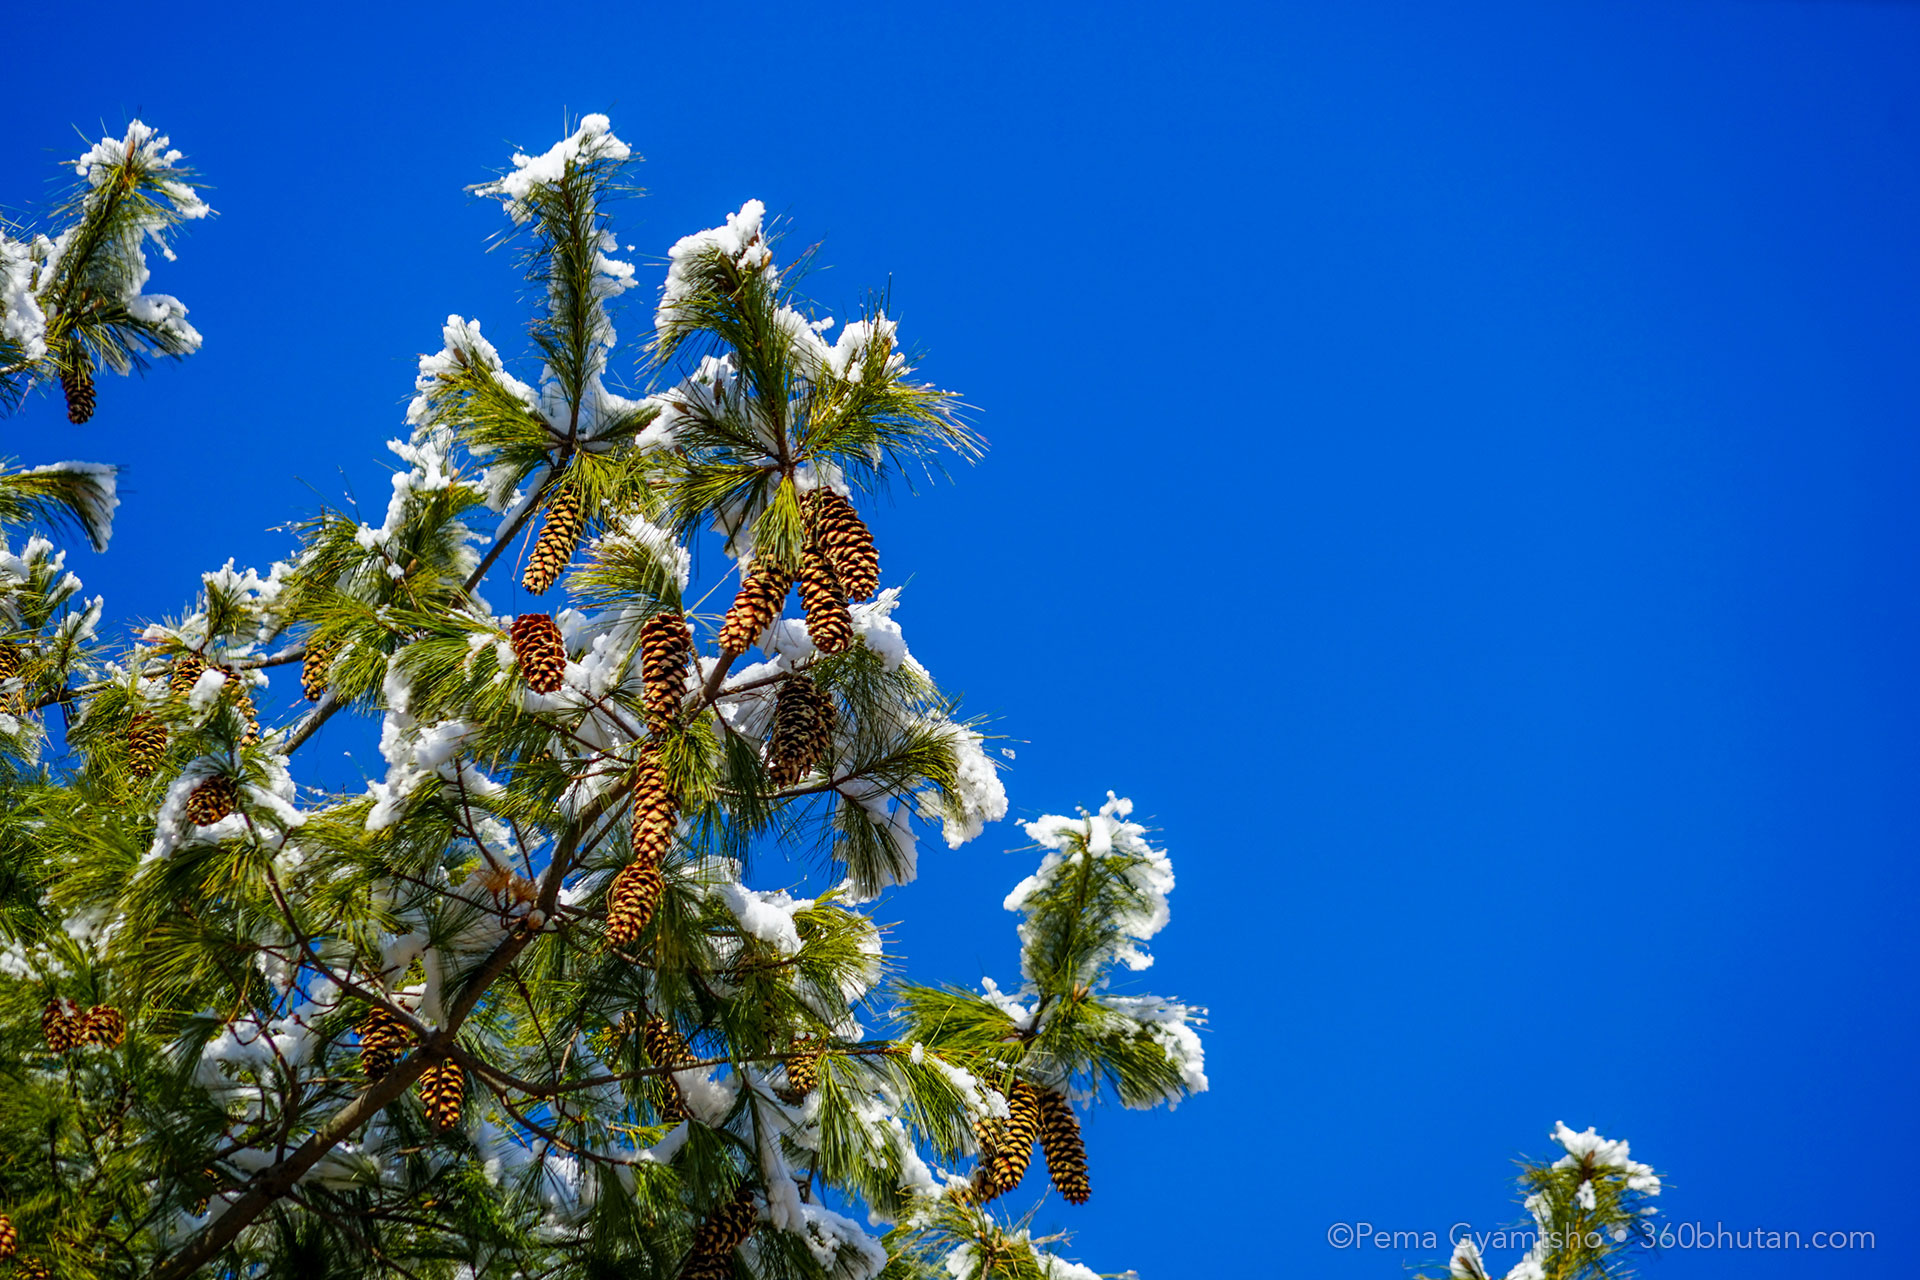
(978, 796)
(23, 324)
(98, 497)
(767, 915)
(1466, 1264)
(1170, 1024)
(740, 242)
(1147, 872)
(1606, 1154)
(591, 143)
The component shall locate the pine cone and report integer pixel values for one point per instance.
(802, 735)
(666, 646)
(844, 537)
(542, 655)
(383, 1038)
(1060, 1142)
(553, 550)
(187, 670)
(442, 1085)
(243, 703)
(9, 668)
(146, 743)
(212, 800)
(829, 624)
(77, 382)
(9, 1238)
(726, 1228)
(654, 810)
(631, 902)
(313, 668)
(59, 1025)
(803, 1072)
(665, 1047)
(1006, 1146)
(33, 1268)
(762, 594)
(103, 1025)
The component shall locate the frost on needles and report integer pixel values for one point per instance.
(396, 1031)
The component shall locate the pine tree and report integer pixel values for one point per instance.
(1590, 1209)
(544, 916)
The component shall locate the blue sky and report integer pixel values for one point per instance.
(1452, 465)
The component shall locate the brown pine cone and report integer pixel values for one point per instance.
(726, 1228)
(631, 902)
(60, 1026)
(762, 594)
(103, 1025)
(243, 703)
(654, 809)
(146, 743)
(802, 733)
(829, 624)
(314, 667)
(186, 672)
(542, 655)
(9, 668)
(844, 537)
(383, 1039)
(76, 382)
(9, 1238)
(33, 1268)
(442, 1087)
(1061, 1144)
(554, 548)
(803, 1072)
(212, 800)
(666, 1047)
(1006, 1146)
(666, 646)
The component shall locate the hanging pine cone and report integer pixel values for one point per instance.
(9, 668)
(249, 714)
(146, 743)
(1060, 1142)
(654, 809)
(665, 1047)
(103, 1025)
(559, 535)
(828, 623)
(313, 667)
(9, 1238)
(666, 646)
(542, 654)
(186, 672)
(442, 1086)
(33, 1268)
(1006, 1147)
(762, 594)
(844, 537)
(76, 380)
(803, 1072)
(802, 735)
(212, 800)
(631, 902)
(60, 1026)
(726, 1228)
(212, 1183)
(383, 1038)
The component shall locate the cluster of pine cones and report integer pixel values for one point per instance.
(146, 740)
(1006, 1146)
(636, 891)
(443, 1085)
(718, 1235)
(838, 564)
(65, 1027)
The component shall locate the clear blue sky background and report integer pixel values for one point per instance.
(1453, 465)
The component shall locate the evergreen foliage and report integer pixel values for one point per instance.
(514, 1010)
